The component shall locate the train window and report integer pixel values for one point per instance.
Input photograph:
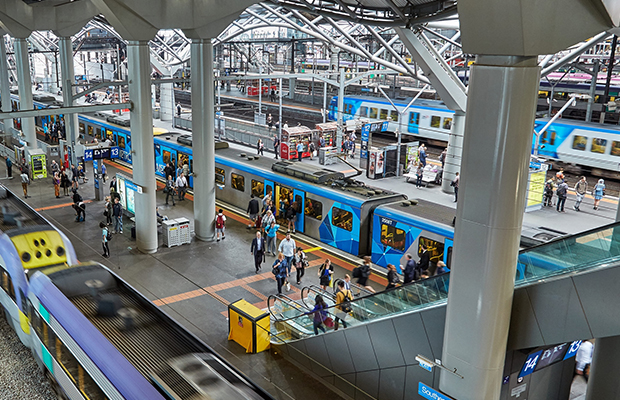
(414, 118)
(363, 112)
(220, 176)
(393, 237)
(237, 182)
(183, 159)
(82, 128)
(373, 113)
(313, 209)
(23, 299)
(449, 258)
(35, 319)
(109, 134)
(548, 137)
(434, 248)
(298, 202)
(580, 142)
(102, 134)
(258, 188)
(342, 219)
(598, 145)
(435, 121)
(166, 157)
(394, 115)
(88, 386)
(49, 338)
(90, 130)
(615, 148)
(383, 114)
(121, 141)
(7, 285)
(348, 109)
(447, 123)
(67, 360)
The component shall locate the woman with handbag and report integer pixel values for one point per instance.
(320, 315)
(325, 274)
(300, 264)
(280, 271)
(392, 277)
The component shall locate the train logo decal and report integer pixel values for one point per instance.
(389, 245)
(341, 238)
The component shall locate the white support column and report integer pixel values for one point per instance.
(53, 78)
(24, 83)
(71, 123)
(142, 144)
(603, 382)
(498, 136)
(203, 144)
(455, 152)
(340, 113)
(5, 89)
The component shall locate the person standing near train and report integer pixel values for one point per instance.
(276, 140)
(580, 191)
(9, 168)
(599, 192)
(104, 240)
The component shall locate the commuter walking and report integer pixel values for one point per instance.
(79, 206)
(455, 185)
(104, 240)
(287, 247)
(179, 110)
(300, 150)
(442, 157)
(117, 213)
(422, 154)
(311, 149)
(54, 167)
(580, 191)
(56, 181)
(419, 175)
(392, 277)
(108, 210)
(220, 225)
(9, 167)
(181, 186)
(104, 172)
(169, 189)
(271, 232)
(260, 147)
(279, 269)
(291, 216)
(266, 220)
(276, 141)
(320, 315)
(599, 192)
(425, 260)
(410, 269)
(253, 211)
(75, 175)
(362, 272)
(548, 193)
(343, 305)
(65, 183)
(562, 193)
(301, 262)
(258, 250)
(325, 274)
(25, 182)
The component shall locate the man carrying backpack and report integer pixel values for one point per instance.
(343, 304)
(220, 225)
(562, 192)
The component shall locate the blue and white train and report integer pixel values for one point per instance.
(591, 147)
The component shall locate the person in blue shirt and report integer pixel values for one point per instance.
(320, 314)
(422, 155)
(280, 271)
(271, 232)
(300, 150)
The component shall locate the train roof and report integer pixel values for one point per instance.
(154, 339)
(358, 191)
(402, 101)
(582, 124)
(17, 215)
(420, 212)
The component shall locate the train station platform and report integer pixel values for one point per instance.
(194, 283)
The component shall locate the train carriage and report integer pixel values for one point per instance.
(405, 226)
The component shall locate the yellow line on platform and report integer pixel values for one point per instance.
(312, 249)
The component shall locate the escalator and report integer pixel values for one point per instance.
(565, 290)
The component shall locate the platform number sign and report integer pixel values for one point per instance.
(572, 350)
(88, 155)
(530, 364)
(114, 152)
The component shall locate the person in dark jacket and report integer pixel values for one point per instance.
(280, 271)
(9, 168)
(364, 272)
(65, 183)
(117, 213)
(320, 314)
(253, 211)
(410, 268)
(79, 206)
(258, 250)
(392, 277)
(425, 260)
(291, 216)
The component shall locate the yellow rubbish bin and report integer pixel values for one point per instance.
(249, 326)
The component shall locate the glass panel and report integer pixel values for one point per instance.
(258, 188)
(121, 141)
(434, 248)
(414, 118)
(579, 142)
(82, 128)
(394, 116)
(109, 134)
(342, 219)
(166, 157)
(615, 148)
(220, 176)
(363, 111)
(314, 209)
(238, 182)
(67, 360)
(598, 145)
(447, 123)
(383, 115)
(393, 237)
(435, 121)
(90, 130)
(373, 113)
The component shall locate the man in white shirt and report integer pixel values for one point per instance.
(287, 247)
(181, 185)
(584, 358)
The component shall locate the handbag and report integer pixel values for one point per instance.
(105, 213)
(288, 286)
(329, 322)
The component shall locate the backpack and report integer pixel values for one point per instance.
(345, 306)
(357, 273)
(219, 222)
(548, 187)
(108, 237)
(561, 191)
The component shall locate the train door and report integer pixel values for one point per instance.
(269, 189)
(283, 198)
(299, 197)
(182, 159)
(163, 155)
(122, 141)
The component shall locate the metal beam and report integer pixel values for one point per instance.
(65, 110)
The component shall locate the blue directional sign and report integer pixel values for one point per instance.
(431, 394)
(530, 364)
(88, 155)
(572, 350)
(114, 152)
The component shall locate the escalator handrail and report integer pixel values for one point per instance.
(317, 290)
(287, 300)
(353, 285)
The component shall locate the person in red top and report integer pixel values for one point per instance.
(220, 225)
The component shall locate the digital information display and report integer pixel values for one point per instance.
(101, 153)
(543, 358)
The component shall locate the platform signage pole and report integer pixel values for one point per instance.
(4, 84)
(340, 124)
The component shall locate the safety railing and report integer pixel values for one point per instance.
(594, 249)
